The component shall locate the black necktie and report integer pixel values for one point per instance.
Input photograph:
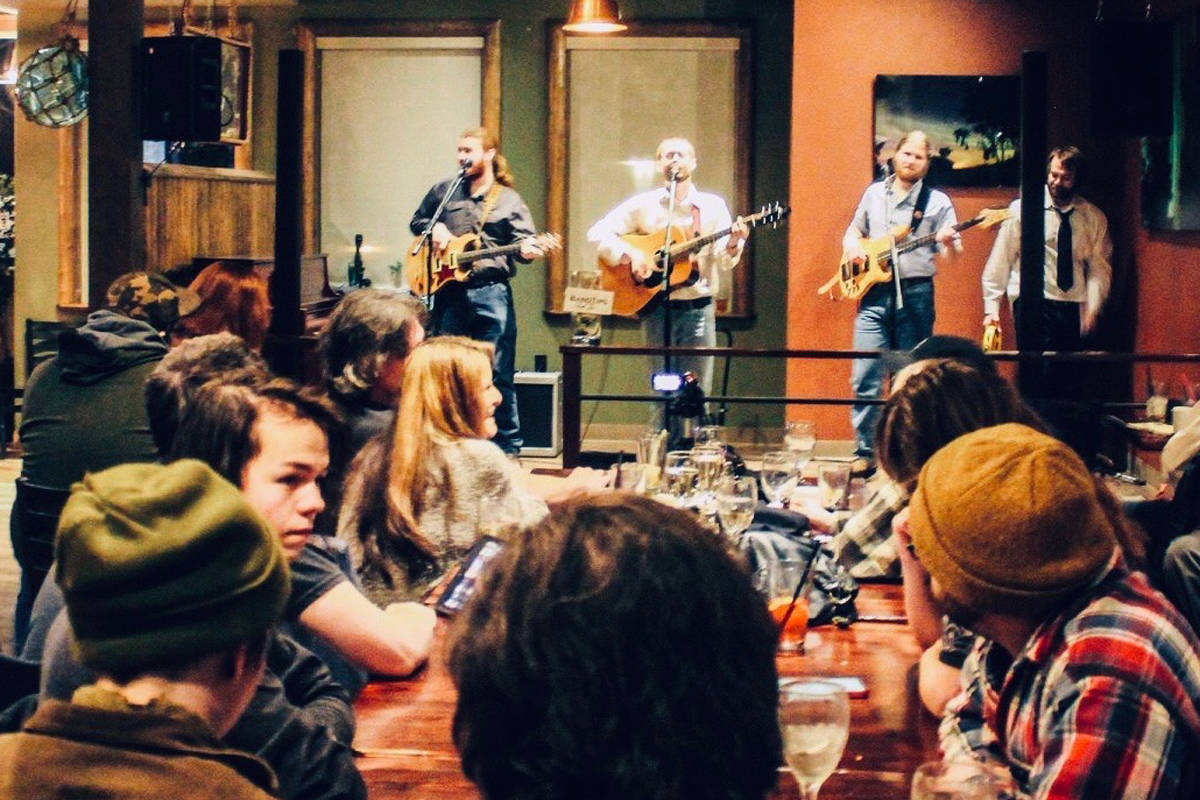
(1066, 262)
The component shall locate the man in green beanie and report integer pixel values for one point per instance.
(173, 583)
(1085, 682)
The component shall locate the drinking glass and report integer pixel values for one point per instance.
(585, 328)
(709, 460)
(709, 434)
(651, 452)
(736, 501)
(960, 780)
(814, 719)
(784, 576)
(833, 486)
(778, 469)
(680, 474)
(800, 438)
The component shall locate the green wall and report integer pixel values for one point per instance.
(523, 99)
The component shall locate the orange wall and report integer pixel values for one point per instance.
(836, 57)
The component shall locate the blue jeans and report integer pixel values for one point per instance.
(689, 327)
(879, 325)
(486, 313)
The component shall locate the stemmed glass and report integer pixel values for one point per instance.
(680, 474)
(961, 780)
(814, 719)
(736, 499)
(801, 438)
(778, 469)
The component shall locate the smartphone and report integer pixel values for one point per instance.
(462, 585)
(854, 686)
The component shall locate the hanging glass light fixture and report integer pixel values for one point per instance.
(52, 84)
(594, 16)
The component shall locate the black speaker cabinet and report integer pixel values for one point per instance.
(1132, 78)
(181, 88)
(538, 405)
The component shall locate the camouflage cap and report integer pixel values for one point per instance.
(150, 297)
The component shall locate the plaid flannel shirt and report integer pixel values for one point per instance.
(863, 543)
(1103, 702)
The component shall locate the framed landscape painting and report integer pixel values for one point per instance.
(973, 124)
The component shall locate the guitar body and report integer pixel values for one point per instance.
(854, 279)
(445, 269)
(630, 297)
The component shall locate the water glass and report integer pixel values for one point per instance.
(833, 486)
(778, 471)
(784, 577)
(736, 500)
(800, 437)
(814, 720)
(651, 452)
(709, 434)
(680, 474)
(961, 780)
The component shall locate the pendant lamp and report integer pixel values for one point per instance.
(594, 16)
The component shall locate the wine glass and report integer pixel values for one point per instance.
(814, 720)
(800, 438)
(778, 468)
(736, 500)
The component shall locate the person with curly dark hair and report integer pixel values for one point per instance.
(616, 650)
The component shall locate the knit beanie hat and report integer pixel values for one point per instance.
(1007, 520)
(158, 564)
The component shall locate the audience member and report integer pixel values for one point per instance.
(363, 348)
(862, 540)
(83, 410)
(234, 298)
(1086, 681)
(190, 649)
(616, 649)
(414, 501)
(223, 357)
(272, 441)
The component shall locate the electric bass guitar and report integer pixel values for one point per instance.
(630, 296)
(454, 264)
(855, 277)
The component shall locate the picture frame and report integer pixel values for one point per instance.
(972, 123)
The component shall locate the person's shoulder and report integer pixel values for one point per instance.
(483, 450)
(1088, 207)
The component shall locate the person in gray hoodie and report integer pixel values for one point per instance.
(84, 410)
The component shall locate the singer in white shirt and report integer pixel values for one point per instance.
(1072, 304)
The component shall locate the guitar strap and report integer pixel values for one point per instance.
(489, 203)
(917, 215)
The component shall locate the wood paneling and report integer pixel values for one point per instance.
(204, 211)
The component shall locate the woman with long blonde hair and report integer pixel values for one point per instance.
(417, 497)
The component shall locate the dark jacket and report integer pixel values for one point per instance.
(85, 409)
(78, 750)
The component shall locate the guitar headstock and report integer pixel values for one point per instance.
(993, 216)
(770, 214)
(546, 242)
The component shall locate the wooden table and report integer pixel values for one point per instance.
(405, 749)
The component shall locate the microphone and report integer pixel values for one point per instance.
(465, 167)
(673, 172)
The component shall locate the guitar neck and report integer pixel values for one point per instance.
(488, 252)
(692, 245)
(930, 238)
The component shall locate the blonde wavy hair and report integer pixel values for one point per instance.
(444, 379)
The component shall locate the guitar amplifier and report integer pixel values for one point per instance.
(538, 404)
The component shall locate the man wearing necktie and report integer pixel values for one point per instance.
(1078, 258)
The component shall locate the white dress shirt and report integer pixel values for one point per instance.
(1090, 247)
(647, 213)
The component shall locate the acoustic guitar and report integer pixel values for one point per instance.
(630, 296)
(854, 278)
(456, 260)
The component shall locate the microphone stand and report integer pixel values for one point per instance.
(426, 235)
(673, 177)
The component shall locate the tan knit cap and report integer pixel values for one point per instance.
(1007, 520)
